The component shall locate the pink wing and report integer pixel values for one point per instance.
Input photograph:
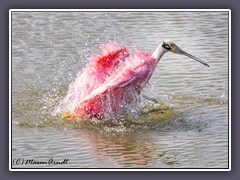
(99, 68)
(108, 61)
(107, 81)
(135, 71)
(93, 76)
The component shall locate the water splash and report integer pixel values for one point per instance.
(109, 86)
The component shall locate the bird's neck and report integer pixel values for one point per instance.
(158, 53)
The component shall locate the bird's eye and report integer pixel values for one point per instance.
(166, 46)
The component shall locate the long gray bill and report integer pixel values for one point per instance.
(192, 57)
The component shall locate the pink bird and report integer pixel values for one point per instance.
(111, 83)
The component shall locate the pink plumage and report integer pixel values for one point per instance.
(110, 85)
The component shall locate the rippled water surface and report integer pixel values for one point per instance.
(184, 119)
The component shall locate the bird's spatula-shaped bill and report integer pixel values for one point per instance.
(180, 51)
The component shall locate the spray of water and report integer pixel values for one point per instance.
(91, 96)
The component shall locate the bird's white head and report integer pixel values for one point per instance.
(169, 46)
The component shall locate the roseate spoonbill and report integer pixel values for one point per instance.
(111, 83)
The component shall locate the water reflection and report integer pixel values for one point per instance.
(121, 149)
